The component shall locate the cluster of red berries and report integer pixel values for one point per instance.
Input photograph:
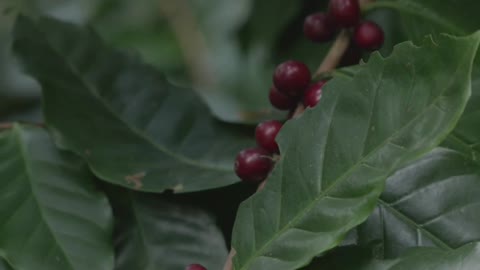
(292, 84)
(321, 27)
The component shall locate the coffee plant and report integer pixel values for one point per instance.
(240, 135)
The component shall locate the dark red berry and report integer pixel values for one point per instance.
(369, 36)
(253, 164)
(346, 13)
(195, 267)
(313, 94)
(265, 134)
(280, 100)
(319, 27)
(291, 78)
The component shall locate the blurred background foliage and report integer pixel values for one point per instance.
(224, 49)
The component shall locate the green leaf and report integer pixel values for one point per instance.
(243, 41)
(132, 127)
(422, 17)
(418, 18)
(336, 157)
(52, 216)
(157, 233)
(430, 202)
(464, 258)
(466, 136)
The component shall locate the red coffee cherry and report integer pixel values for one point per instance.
(313, 94)
(265, 134)
(291, 78)
(319, 27)
(346, 13)
(280, 100)
(369, 36)
(253, 165)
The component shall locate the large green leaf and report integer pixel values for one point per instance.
(156, 233)
(431, 202)
(336, 157)
(420, 17)
(132, 127)
(52, 216)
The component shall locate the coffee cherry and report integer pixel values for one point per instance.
(313, 94)
(369, 36)
(346, 13)
(253, 164)
(319, 27)
(195, 267)
(265, 134)
(291, 78)
(280, 100)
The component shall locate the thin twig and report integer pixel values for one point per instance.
(330, 62)
(334, 56)
(192, 41)
(229, 262)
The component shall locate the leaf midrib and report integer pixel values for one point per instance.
(412, 223)
(354, 167)
(136, 131)
(23, 152)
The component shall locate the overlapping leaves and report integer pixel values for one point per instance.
(336, 157)
(153, 232)
(431, 202)
(122, 117)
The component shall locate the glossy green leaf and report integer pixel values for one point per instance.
(52, 217)
(431, 202)
(336, 157)
(132, 127)
(157, 233)
(420, 17)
